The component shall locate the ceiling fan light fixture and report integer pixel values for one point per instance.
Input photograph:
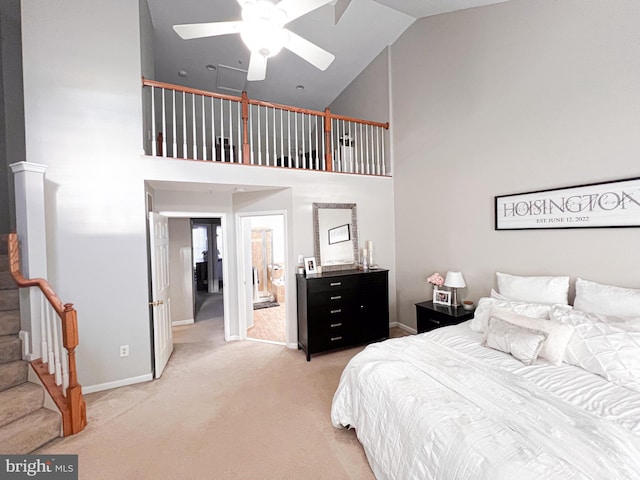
(263, 38)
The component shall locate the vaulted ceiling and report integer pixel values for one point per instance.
(355, 31)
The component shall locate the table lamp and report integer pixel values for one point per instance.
(454, 280)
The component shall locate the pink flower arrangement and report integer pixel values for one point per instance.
(435, 279)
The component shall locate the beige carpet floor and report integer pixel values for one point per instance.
(237, 410)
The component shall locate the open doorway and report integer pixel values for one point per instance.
(264, 240)
(207, 254)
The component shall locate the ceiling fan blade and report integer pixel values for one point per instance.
(257, 67)
(312, 53)
(199, 30)
(298, 8)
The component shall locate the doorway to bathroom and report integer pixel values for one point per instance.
(264, 247)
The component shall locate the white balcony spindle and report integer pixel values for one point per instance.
(297, 153)
(259, 137)
(213, 130)
(240, 158)
(221, 142)
(231, 159)
(204, 131)
(267, 150)
(194, 125)
(154, 149)
(253, 159)
(184, 125)
(175, 127)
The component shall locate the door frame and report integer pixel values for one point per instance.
(225, 271)
(243, 302)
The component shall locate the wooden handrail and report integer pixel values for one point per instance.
(72, 406)
(262, 103)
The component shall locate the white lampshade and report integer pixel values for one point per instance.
(454, 280)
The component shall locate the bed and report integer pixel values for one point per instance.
(444, 405)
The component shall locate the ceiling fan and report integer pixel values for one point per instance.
(262, 30)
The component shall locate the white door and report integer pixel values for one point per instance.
(159, 251)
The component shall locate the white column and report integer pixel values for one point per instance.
(30, 226)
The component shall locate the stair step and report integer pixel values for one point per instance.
(9, 300)
(20, 401)
(6, 281)
(10, 349)
(30, 432)
(9, 322)
(4, 263)
(4, 244)
(13, 373)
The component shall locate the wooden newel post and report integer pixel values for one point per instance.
(327, 140)
(246, 149)
(75, 402)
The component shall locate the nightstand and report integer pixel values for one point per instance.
(430, 316)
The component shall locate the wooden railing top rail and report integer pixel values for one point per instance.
(21, 281)
(195, 91)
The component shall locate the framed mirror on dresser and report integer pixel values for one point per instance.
(335, 229)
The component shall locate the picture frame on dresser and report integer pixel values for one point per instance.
(441, 297)
(310, 266)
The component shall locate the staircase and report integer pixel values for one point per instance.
(25, 424)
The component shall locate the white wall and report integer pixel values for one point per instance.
(180, 270)
(293, 191)
(510, 98)
(81, 62)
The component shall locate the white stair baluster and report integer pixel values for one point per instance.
(50, 357)
(57, 347)
(43, 329)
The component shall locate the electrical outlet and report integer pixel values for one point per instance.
(124, 350)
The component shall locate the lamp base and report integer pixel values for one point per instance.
(454, 301)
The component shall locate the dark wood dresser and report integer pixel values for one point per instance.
(342, 309)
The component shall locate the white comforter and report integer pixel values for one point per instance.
(441, 406)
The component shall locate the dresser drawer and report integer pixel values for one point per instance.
(331, 299)
(334, 284)
(329, 340)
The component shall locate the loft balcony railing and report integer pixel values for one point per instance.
(195, 124)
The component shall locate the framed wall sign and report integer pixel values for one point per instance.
(595, 205)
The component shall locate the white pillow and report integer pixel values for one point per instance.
(559, 334)
(564, 314)
(606, 299)
(497, 296)
(534, 289)
(521, 342)
(608, 350)
(488, 306)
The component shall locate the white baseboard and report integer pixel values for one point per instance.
(188, 321)
(118, 383)
(404, 327)
(293, 346)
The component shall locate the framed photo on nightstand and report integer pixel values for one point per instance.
(441, 297)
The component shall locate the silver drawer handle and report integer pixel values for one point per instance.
(336, 297)
(334, 339)
(334, 325)
(336, 311)
(437, 322)
(336, 284)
